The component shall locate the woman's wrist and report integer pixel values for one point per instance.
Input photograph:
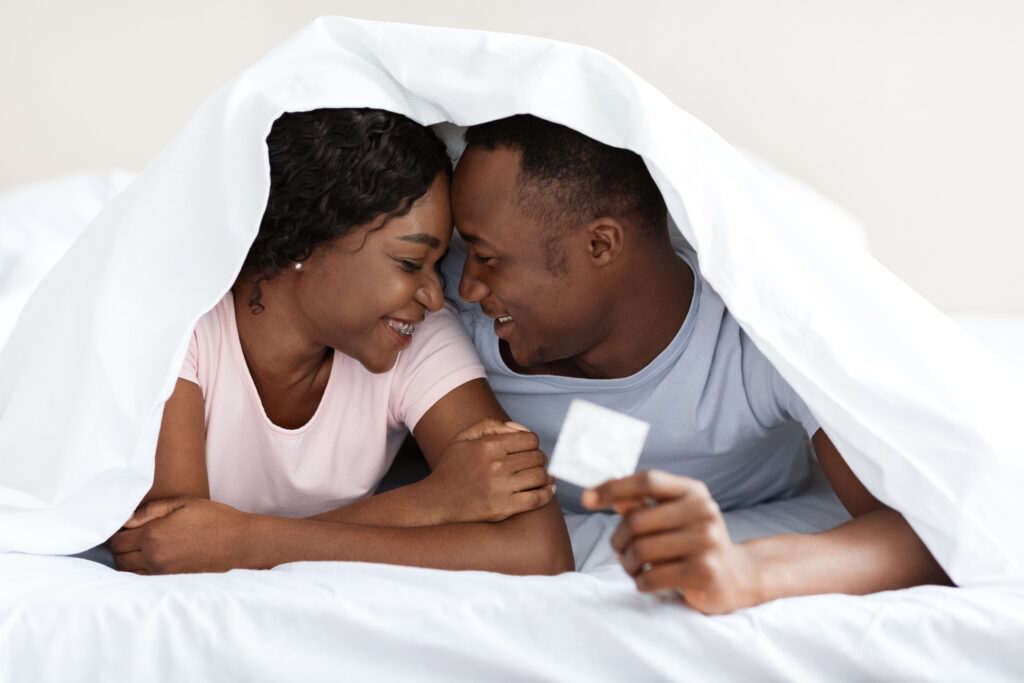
(432, 501)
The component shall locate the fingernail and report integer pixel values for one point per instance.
(516, 425)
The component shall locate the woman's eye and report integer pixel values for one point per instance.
(409, 266)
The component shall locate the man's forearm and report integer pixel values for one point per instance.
(873, 552)
(531, 543)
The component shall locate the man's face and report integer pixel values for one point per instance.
(543, 316)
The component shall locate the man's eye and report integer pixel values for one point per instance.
(486, 260)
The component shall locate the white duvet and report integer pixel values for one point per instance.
(925, 415)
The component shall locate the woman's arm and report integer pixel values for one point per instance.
(180, 468)
(482, 469)
(188, 534)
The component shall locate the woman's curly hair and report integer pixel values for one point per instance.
(331, 170)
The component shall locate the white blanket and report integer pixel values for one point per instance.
(65, 618)
(924, 414)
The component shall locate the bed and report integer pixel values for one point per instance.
(66, 615)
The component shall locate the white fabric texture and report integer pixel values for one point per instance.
(924, 414)
(325, 621)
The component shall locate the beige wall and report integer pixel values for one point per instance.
(906, 112)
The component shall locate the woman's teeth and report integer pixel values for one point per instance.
(505, 319)
(403, 329)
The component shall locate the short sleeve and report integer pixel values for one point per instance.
(190, 368)
(771, 398)
(440, 358)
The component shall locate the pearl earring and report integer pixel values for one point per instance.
(298, 266)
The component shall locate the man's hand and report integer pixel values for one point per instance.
(490, 472)
(672, 536)
(180, 535)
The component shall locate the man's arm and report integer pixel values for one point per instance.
(682, 543)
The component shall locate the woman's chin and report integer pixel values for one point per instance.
(379, 363)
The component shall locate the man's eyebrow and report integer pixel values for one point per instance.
(472, 239)
(422, 238)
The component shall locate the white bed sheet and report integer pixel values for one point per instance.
(65, 618)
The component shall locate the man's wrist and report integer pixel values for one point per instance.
(769, 569)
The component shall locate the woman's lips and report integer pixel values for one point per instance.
(401, 331)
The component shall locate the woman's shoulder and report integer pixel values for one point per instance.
(212, 338)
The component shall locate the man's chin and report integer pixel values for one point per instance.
(516, 356)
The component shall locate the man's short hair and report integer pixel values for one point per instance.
(568, 179)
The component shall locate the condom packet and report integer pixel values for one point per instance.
(596, 444)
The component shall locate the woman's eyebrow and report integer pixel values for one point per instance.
(422, 238)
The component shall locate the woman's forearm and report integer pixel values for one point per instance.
(531, 543)
(873, 552)
(411, 505)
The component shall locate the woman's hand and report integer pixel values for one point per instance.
(489, 472)
(679, 542)
(181, 535)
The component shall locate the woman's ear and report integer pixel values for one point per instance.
(604, 236)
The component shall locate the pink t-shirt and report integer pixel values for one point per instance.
(343, 451)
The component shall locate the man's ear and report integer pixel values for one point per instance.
(605, 237)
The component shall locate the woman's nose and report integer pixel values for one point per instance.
(431, 295)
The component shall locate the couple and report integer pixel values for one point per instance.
(300, 385)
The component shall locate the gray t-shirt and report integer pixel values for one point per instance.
(718, 410)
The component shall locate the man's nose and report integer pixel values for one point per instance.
(471, 288)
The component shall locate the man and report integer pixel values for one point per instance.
(570, 288)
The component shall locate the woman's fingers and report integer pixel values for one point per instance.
(154, 509)
(535, 477)
(125, 541)
(131, 561)
(517, 462)
(524, 501)
(515, 441)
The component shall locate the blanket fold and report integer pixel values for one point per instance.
(924, 415)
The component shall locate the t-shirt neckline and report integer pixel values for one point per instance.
(243, 369)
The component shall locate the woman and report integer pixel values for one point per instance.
(299, 386)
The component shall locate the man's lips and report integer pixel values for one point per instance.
(503, 326)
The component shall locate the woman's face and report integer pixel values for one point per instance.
(365, 292)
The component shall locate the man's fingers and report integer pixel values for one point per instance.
(154, 509)
(677, 544)
(674, 514)
(653, 484)
(664, 576)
